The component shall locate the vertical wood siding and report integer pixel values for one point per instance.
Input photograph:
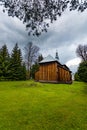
(52, 72)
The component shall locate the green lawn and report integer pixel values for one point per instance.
(27, 105)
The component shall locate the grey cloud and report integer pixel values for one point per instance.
(63, 35)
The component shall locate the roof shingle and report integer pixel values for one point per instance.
(49, 58)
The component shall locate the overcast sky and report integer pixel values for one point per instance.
(64, 35)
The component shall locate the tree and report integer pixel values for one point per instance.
(34, 69)
(40, 57)
(31, 55)
(4, 63)
(16, 64)
(82, 52)
(35, 66)
(23, 71)
(12, 67)
(82, 71)
(35, 13)
(76, 77)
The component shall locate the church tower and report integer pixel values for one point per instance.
(57, 57)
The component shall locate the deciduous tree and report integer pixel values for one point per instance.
(34, 69)
(76, 77)
(82, 71)
(31, 54)
(35, 13)
(82, 52)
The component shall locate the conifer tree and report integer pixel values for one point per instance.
(4, 63)
(23, 72)
(40, 58)
(16, 64)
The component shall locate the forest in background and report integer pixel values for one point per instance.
(14, 66)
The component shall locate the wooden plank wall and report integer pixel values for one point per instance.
(52, 72)
(47, 72)
(64, 75)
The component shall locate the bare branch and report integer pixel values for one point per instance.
(82, 52)
(35, 13)
(31, 54)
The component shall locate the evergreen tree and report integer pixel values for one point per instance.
(4, 63)
(16, 64)
(23, 72)
(12, 68)
(40, 58)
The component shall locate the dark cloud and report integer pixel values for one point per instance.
(64, 35)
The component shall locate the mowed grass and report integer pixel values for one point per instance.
(27, 105)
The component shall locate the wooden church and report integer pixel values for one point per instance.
(51, 70)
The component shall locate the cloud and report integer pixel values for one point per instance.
(73, 62)
(12, 30)
(64, 35)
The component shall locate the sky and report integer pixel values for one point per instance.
(63, 36)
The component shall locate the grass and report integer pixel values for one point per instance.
(27, 105)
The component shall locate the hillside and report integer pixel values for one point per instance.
(28, 105)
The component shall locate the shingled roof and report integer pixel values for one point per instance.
(49, 58)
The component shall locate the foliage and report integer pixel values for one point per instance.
(28, 105)
(40, 58)
(16, 64)
(82, 52)
(34, 68)
(76, 77)
(82, 71)
(12, 67)
(4, 63)
(23, 71)
(35, 13)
